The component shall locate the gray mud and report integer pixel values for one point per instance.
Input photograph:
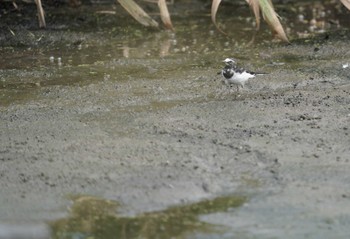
(152, 132)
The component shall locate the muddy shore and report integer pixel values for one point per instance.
(163, 132)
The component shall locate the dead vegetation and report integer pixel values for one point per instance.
(259, 7)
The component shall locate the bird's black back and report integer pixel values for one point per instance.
(231, 69)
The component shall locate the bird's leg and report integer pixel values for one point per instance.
(231, 90)
(225, 84)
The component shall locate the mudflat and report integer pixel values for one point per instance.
(154, 132)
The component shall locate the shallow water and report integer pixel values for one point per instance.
(113, 49)
(96, 218)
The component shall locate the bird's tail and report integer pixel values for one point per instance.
(260, 73)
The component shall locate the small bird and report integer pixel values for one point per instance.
(235, 75)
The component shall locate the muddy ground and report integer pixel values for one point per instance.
(168, 134)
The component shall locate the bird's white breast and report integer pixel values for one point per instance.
(240, 78)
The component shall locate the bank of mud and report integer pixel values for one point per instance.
(152, 133)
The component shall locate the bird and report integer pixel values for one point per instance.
(235, 75)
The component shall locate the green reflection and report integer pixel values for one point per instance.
(95, 218)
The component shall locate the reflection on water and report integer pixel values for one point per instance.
(95, 218)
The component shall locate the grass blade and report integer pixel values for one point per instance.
(138, 13)
(214, 8)
(42, 23)
(164, 14)
(346, 3)
(271, 18)
(254, 5)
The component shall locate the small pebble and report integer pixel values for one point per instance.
(59, 61)
(301, 17)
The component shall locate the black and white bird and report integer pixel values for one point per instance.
(234, 75)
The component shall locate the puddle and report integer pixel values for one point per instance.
(92, 217)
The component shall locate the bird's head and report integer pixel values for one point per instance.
(230, 61)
